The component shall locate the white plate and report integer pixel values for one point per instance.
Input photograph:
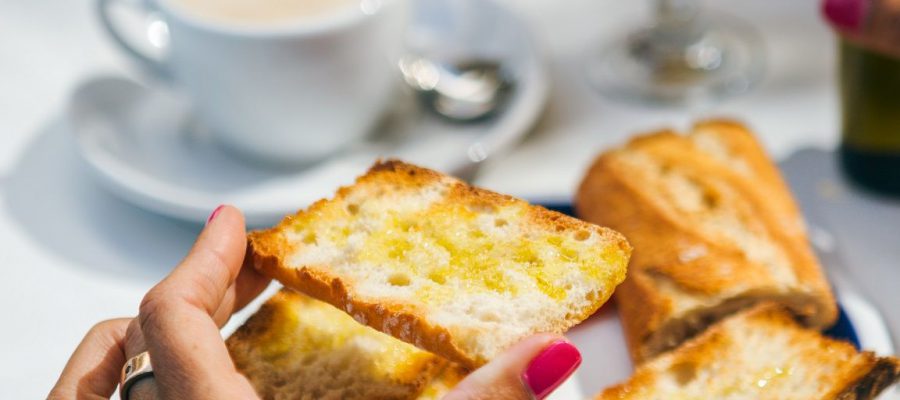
(142, 144)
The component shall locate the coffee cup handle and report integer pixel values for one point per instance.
(153, 63)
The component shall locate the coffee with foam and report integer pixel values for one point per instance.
(264, 12)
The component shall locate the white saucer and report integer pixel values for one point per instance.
(141, 141)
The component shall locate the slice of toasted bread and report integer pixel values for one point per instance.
(443, 383)
(760, 353)
(456, 270)
(715, 231)
(296, 347)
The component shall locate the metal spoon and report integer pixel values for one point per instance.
(462, 92)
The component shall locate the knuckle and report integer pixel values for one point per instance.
(153, 306)
(204, 287)
(108, 331)
(215, 276)
(201, 287)
(150, 303)
(134, 338)
(134, 328)
(105, 327)
(216, 258)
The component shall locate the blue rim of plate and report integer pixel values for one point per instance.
(842, 329)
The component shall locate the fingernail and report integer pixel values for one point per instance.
(845, 15)
(214, 213)
(550, 368)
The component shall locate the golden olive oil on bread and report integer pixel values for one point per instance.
(457, 270)
(443, 383)
(715, 230)
(760, 353)
(296, 347)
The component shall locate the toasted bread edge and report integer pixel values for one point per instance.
(268, 249)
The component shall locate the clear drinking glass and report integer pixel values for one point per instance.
(688, 55)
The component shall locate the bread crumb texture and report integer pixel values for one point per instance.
(485, 269)
(296, 347)
(715, 229)
(760, 353)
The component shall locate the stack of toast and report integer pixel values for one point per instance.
(411, 279)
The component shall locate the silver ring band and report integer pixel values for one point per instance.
(135, 369)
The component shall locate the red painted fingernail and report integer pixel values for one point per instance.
(846, 15)
(550, 368)
(214, 213)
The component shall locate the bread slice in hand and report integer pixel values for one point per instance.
(715, 230)
(760, 353)
(296, 347)
(443, 383)
(456, 270)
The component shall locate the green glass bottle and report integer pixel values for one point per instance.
(870, 100)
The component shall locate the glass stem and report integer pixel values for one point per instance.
(676, 12)
(678, 23)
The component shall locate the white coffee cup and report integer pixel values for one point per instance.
(282, 92)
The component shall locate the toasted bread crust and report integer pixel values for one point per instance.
(404, 321)
(884, 372)
(609, 195)
(409, 326)
(862, 378)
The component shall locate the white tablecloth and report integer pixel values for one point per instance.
(73, 255)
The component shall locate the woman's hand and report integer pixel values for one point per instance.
(179, 321)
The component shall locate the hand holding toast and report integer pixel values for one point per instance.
(179, 321)
(178, 324)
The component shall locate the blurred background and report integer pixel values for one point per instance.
(83, 240)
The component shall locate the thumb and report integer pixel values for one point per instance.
(190, 360)
(530, 369)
